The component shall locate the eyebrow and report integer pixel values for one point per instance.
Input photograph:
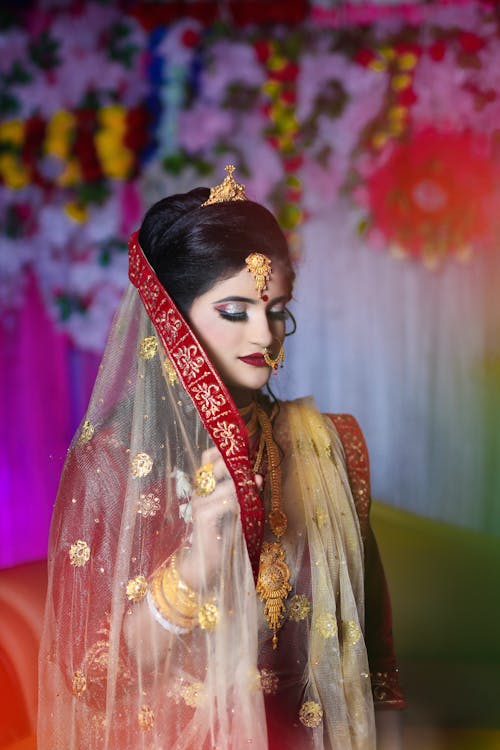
(250, 301)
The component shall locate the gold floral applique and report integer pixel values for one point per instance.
(137, 588)
(311, 714)
(79, 683)
(146, 718)
(299, 607)
(170, 371)
(87, 432)
(192, 693)
(326, 625)
(208, 616)
(141, 465)
(269, 681)
(79, 553)
(352, 632)
(148, 347)
(320, 517)
(148, 505)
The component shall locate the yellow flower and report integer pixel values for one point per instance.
(407, 60)
(13, 171)
(380, 139)
(400, 82)
(12, 132)
(59, 134)
(271, 87)
(277, 62)
(378, 65)
(387, 53)
(71, 174)
(76, 211)
(113, 118)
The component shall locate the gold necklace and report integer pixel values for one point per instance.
(273, 581)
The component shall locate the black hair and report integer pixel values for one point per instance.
(192, 247)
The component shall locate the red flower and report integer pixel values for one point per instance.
(402, 47)
(407, 97)
(190, 38)
(263, 50)
(136, 136)
(293, 163)
(435, 194)
(470, 42)
(84, 145)
(437, 50)
(364, 57)
(289, 96)
(286, 74)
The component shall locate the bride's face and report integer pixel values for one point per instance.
(235, 325)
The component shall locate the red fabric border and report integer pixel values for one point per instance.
(208, 393)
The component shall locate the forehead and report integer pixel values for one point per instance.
(242, 284)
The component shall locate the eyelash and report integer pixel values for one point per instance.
(241, 317)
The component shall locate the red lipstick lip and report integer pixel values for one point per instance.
(257, 360)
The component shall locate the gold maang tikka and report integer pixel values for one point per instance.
(229, 190)
(259, 266)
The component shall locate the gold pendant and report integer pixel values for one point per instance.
(273, 584)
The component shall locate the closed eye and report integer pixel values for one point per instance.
(234, 316)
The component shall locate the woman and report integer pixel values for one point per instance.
(208, 561)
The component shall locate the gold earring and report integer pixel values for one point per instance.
(274, 361)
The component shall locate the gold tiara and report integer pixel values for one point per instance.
(228, 190)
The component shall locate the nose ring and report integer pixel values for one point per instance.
(274, 361)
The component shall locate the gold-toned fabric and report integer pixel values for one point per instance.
(111, 676)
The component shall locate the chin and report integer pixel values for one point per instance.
(251, 383)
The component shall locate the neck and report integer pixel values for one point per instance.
(243, 397)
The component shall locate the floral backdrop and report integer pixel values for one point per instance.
(388, 120)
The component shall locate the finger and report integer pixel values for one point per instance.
(259, 481)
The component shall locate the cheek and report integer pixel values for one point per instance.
(216, 336)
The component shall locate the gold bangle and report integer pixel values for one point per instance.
(172, 597)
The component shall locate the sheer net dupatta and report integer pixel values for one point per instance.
(111, 676)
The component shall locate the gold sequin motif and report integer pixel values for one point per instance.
(269, 681)
(299, 607)
(353, 632)
(148, 505)
(192, 693)
(326, 625)
(79, 553)
(137, 588)
(320, 518)
(141, 465)
(146, 718)
(170, 372)
(311, 714)
(208, 616)
(79, 683)
(148, 347)
(87, 432)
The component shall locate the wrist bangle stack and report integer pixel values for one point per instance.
(174, 601)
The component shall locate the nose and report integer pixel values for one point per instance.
(261, 334)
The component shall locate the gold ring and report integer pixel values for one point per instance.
(204, 480)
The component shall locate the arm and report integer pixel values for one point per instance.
(378, 615)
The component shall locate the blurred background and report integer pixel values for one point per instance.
(372, 130)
